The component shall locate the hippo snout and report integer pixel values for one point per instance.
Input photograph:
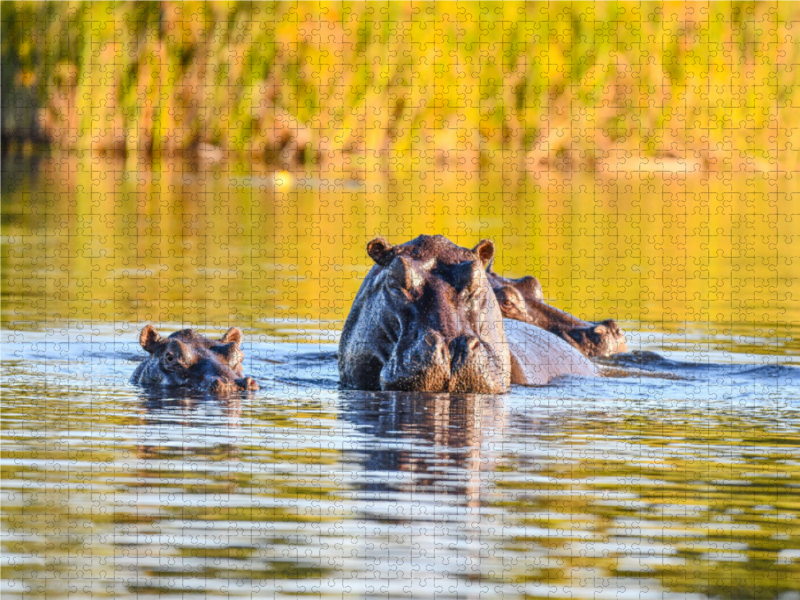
(475, 367)
(422, 363)
(431, 363)
(220, 385)
(598, 339)
(247, 383)
(462, 350)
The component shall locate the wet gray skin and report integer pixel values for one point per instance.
(189, 359)
(425, 319)
(520, 302)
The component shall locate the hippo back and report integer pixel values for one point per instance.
(538, 356)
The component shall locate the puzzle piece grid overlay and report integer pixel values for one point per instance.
(225, 164)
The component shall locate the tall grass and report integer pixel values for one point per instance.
(402, 84)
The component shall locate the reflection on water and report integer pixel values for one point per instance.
(683, 254)
(447, 432)
(677, 476)
(656, 486)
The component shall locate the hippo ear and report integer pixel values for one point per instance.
(380, 251)
(494, 279)
(234, 334)
(485, 251)
(149, 338)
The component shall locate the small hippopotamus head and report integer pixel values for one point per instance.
(519, 302)
(187, 358)
(425, 319)
(599, 339)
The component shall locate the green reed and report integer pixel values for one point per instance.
(381, 83)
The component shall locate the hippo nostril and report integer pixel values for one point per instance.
(435, 341)
(217, 385)
(464, 349)
(432, 339)
(247, 383)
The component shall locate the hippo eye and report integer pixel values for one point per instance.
(510, 298)
(509, 304)
(474, 289)
(177, 354)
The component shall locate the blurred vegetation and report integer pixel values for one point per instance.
(573, 85)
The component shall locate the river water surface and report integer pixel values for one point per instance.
(675, 476)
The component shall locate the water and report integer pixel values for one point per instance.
(677, 475)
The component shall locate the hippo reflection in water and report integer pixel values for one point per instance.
(189, 359)
(426, 319)
(522, 300)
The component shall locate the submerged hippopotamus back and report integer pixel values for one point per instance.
(522, 301)
(425, 319)
(538, 356)
(189, 359)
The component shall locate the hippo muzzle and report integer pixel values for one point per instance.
(430, 363)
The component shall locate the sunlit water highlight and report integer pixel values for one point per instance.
(676, 476)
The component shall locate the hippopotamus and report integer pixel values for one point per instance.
(188, 359)
(522, 300)
(425, 319)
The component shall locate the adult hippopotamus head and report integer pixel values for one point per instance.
(425, 319)
(519, 301)
(189, 359)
